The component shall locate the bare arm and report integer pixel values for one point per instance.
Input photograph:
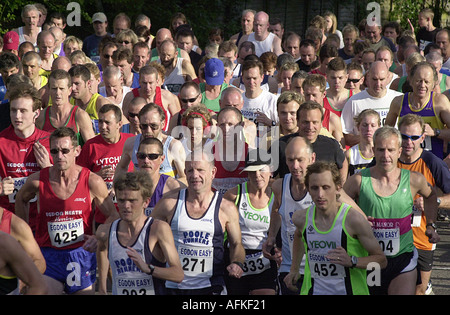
(25, 194)
(394, 111)
(85, 124)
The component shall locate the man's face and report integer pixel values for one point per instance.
(185, 42)
(298, 159)
(385, 56)
(422, 82)
(287, 113)
(148, 83)
(260, 26)
(151, 163)
(367, 60)
(100, 27)
(232, 99)
(59, 91)
(106, 57)
(227, 123)
(443, 41)
(124, 66)
(296, 85)
(189, 97)
(337, 79)
(292, 47)
(373, 33)
(140, 57)
(276, 29)
(230, 55)
(199, 175)
(310, 123)
(46, 46)
(22, 114)
(31, 68)
(377, 81)
(63, 152)
(349, 40)
(354, 81)
(79, 88)
(120, 25)
(151, 124)
(7, 72)
(113, 85)
(386, 152)
(131, 204)
(133, 115)
(167, 54)
(108, 126)
(247, 22)
(313, 93)
(412, 143)
(391, 33)
(58, 23)
(322, 189)
(252, 79)
(307, 54)
(31, 19)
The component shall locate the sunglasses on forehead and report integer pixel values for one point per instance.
(150, 156)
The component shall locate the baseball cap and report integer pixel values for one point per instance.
(214, 72)
(256, 160)
(99, 17)
(11, 41)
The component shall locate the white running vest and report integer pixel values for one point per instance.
(127, 278)
(287, 208)
(199, 243)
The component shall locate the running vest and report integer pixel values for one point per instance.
(357, 160)
(327, 105)
(158, 101)
(199, 243)
(287, 208)
(165, 168)
(254, 225)
(392, 214)
(62, 224)
(263, 45)
(91, 109)
(175, 79)
(428, 114)
(127, 278)
(157, 194)
(321, 276)
(71, 122)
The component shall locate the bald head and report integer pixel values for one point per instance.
(62, 62)
(377, 79)
(231, 96)
(161, 35)
(261, 25)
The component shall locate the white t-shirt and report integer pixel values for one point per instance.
(361, 101)
(266, 102)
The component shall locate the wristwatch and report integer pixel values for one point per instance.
(439, 201)
(274, 123)
(354, 261)
(433, 225)
(152, 268)
(437, 132)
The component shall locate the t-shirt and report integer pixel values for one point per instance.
(266, 102)
(361, 101)
(425, 37)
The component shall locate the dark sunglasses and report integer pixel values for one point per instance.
(124, 42)
(413, 138)
(133, 115)
(107, 56)
(354, 81)
(190, 100)
(63, 151)
(150, 156)
(152, 126)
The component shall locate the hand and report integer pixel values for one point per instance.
(137, 259)
(429, 131)
(433, 236)
(90, 243)
(339, 256)
(235, 271)
(7, 186)
(291, 280)
(41, 155)
(270, 251)
(261, 118)
(106, 172)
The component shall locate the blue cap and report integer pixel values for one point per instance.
(214, 72)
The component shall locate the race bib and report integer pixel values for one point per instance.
(66, 233)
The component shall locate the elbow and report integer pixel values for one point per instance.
(178, 275)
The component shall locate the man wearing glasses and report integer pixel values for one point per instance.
(355, 77)
(65, 193)
(152, 120)
(433, 108)
(415, 158)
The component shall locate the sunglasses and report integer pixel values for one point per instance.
(152, 126)
(124, 42)
(150, 156)
(133, 115)
(354, 81)
(413, 138)
(107, 56)
(190, 100)
(63, 151)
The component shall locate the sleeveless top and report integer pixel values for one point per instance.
(5, 221)
(71, 122)
(392, 214)
(428, 114)
(287, 208)
(262, 46)
(91, 109)
(327, 105)
(157, 101)
(357, 160)
(127, 278)
(321, 276)
(211, 104)
(157, 194)
(175, 79)
(199, 243)
(62, 224)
